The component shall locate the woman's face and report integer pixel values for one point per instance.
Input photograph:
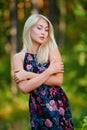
(39, 32)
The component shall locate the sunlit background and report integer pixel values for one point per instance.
(69, 18)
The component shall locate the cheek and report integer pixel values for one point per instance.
(33, 33)
(46, 39)
(46, 36)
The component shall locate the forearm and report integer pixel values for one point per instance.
(31, 75)
(29, 85)
(53, 80)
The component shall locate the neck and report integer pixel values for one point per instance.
(35, 48)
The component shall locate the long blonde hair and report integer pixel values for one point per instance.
(44, 49)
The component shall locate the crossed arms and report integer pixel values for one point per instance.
(28, 81)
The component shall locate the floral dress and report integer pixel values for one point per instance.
(48, 105)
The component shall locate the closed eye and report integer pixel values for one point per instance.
(39, 28)
(46, 30)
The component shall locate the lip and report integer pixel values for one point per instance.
(42, 38)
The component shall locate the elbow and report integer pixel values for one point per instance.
(23, 89)
(60, 82)
(57, 83)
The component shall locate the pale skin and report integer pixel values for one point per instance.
(52, 76)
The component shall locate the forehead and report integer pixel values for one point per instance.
(42, 22)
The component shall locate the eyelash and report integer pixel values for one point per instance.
(41, 28)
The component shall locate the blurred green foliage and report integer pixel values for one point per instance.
(14, 108)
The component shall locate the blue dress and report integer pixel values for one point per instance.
(48, 105)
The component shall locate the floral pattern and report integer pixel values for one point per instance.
(48, 105)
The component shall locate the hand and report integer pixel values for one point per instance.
(56, 67)
(20, 75)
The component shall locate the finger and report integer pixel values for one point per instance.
(61, 63)
(62, 69)
(16, 80)
(15, 77)
(16, 71)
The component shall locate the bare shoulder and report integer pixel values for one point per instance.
(17, 61)
(55, 54)
(18, 56)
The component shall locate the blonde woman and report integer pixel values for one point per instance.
(38, 71)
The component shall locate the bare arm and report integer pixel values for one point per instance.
(56, 79)
(17, 68)
(27, 86)
(21, 74)
(30, 85)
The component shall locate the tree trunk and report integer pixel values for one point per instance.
(62, 25)
(14, 37)
(54, 12)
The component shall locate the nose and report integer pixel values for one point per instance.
(43, 31)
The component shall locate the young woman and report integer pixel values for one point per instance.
(38, 71)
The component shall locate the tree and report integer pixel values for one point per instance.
(14, 36)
